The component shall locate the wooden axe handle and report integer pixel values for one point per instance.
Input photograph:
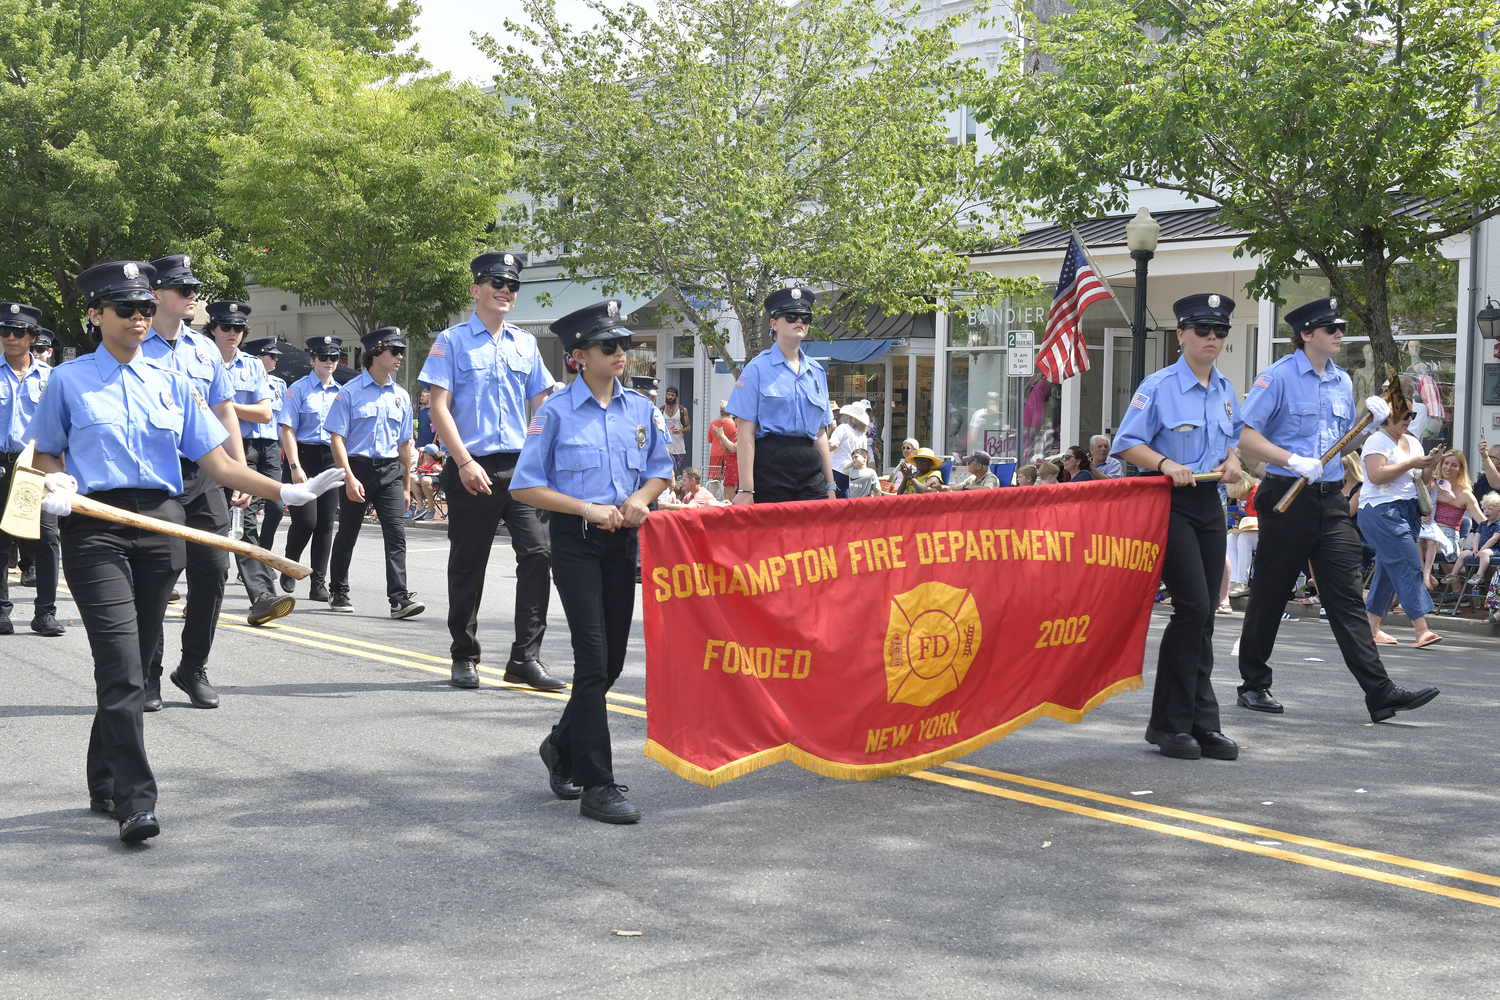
(1328, 456)
(104, 512)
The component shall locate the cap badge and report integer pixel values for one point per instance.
(509, 260)
(234, 307)
(131, 271)
(613, 309)
(640, 435)
(14, 308)
(1333, 303)
(796, 293)
(1213, 301)
(187, 261)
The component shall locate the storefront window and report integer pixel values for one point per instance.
(987, 326)
(848, 383)
(985, 408)
(641, 358)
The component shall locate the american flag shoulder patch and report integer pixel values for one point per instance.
(437, 351)
(739, 383)
(1139, 400)
(537, 422)
(1262, 381)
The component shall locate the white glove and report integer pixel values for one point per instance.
(297, 494)
(58, 498)
(1308, 468)
(1379, 409)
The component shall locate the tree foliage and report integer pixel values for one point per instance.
(368, 192)
(718, 148)
(1344, 136)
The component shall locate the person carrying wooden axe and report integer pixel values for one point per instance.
(1299, 417)
(117, 420)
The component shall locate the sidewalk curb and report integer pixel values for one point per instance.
(1441, 624)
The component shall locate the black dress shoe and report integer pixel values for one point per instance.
(1401, 700)
(267, 608)
(1179, 745)
(28, 576)
(194, 684)
(607, 804)
(153, 696)
(47, 624)
(103, 807)
(533, 675)
(174, 597)
(288, 584)
(138, 827)
(1216, 745)
(562, 785)
(1259, 700)
(465, 673)
(318, 591)
(6, 628)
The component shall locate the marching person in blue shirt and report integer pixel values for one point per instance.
(122, 424)
(781, 410)
(173, 344)
(1184, 420)
(1296, 411)
(267, 436)
(306, 447)
(482, 374)
(22, 382)
(597, 457)
(253, 407)
(370, 427)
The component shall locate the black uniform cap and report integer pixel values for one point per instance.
(505, 265)
(173, 271)
(264, 345)
(117, 281)
(228, 312)
(19, 314)
(600, 321)
(790, 302)
(44, 338)
(644, 383)
(1318, 312)
(386, 336)
(325, 347)
(1207, 307)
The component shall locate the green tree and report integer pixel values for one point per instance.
(718, 148)
(1345, 136)
(364, 191)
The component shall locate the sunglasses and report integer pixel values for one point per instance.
(230, 327)
(186, 291)
(332, 359)
(397, 351)
(608, 347)
(14, 331)
(499, 282)
(1206, 330)
(125, 310)
(804, 318)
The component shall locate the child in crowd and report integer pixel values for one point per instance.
(1485, 543)
(692, 494)
(863, 482)
(1026, 475)
(1046, 474)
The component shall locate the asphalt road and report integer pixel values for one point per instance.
(349, 825)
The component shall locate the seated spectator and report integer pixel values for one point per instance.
(429, 467)
(1046, 474)
(693, 494)
(980, 477)
(1025, 476)
(863, 482)
(924, 473)
(1076, 466)
(1244, 536)
(898, 479)
(1105, 465)
(1452, 497)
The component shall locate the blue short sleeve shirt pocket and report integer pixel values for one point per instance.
(577, 468)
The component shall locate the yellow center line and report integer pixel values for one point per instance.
(1212, 838)
(1226, 824)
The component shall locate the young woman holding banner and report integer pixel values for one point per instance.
(1183, 420)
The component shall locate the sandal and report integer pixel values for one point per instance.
(1493, 618)
(1384, 639)
(1430, 639)
(1226, 609)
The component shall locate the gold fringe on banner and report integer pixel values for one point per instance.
(865, 772)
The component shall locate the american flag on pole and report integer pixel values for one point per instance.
(1063, 353)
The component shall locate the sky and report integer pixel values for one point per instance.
(443, 29)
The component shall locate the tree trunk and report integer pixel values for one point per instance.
(1376, 316)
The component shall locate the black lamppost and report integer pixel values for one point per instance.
(1489, 320)
(1141, 234)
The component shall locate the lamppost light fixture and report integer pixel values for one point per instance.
(1142, 232)
(1489, 320)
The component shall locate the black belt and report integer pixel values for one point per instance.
(311, 444)
(1322, 488)
(378, 463)
(785, 440)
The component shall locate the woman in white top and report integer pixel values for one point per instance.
(908, 450)
(854, 419)
(1390, 521)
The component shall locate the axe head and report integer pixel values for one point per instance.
(1396, 396)
(23, 510)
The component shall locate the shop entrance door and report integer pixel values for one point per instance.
(1118, 345)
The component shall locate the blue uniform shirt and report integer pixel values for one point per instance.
(1192, 424)
(777, 401)
(305, 408)
(19, 396)
(122, 426)
(1297, 410)
(247, 378)
(197, 357)
(373, 419)
(590, 453)
(268, 431)
(491, 378)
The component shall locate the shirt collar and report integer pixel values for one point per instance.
(478, 329)
(579, 391)
(778, 358)
(107, 365)
(1330, 370)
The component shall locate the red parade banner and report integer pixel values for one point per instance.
(864, 638)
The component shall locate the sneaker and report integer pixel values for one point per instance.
(318, 591)
(194, 683)
(6, 628)
(407, 608)
(288, 584)
(1287, 616)
(424, 515)
(47, 624)
(1323, 615)
(608, 804)
(341, 602)
(1239, 590)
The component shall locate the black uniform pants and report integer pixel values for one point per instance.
(381, 479)
(595, 574)
(313, 520)
(121, 579)
(787, 468)
(472, 520)
(1192, 568)
(272, 513)
(47, 546)
(264, 456)
(204, 507)
(1316, 528)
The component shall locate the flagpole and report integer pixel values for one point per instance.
(1073, 230)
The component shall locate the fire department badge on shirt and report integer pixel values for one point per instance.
(640, 435)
